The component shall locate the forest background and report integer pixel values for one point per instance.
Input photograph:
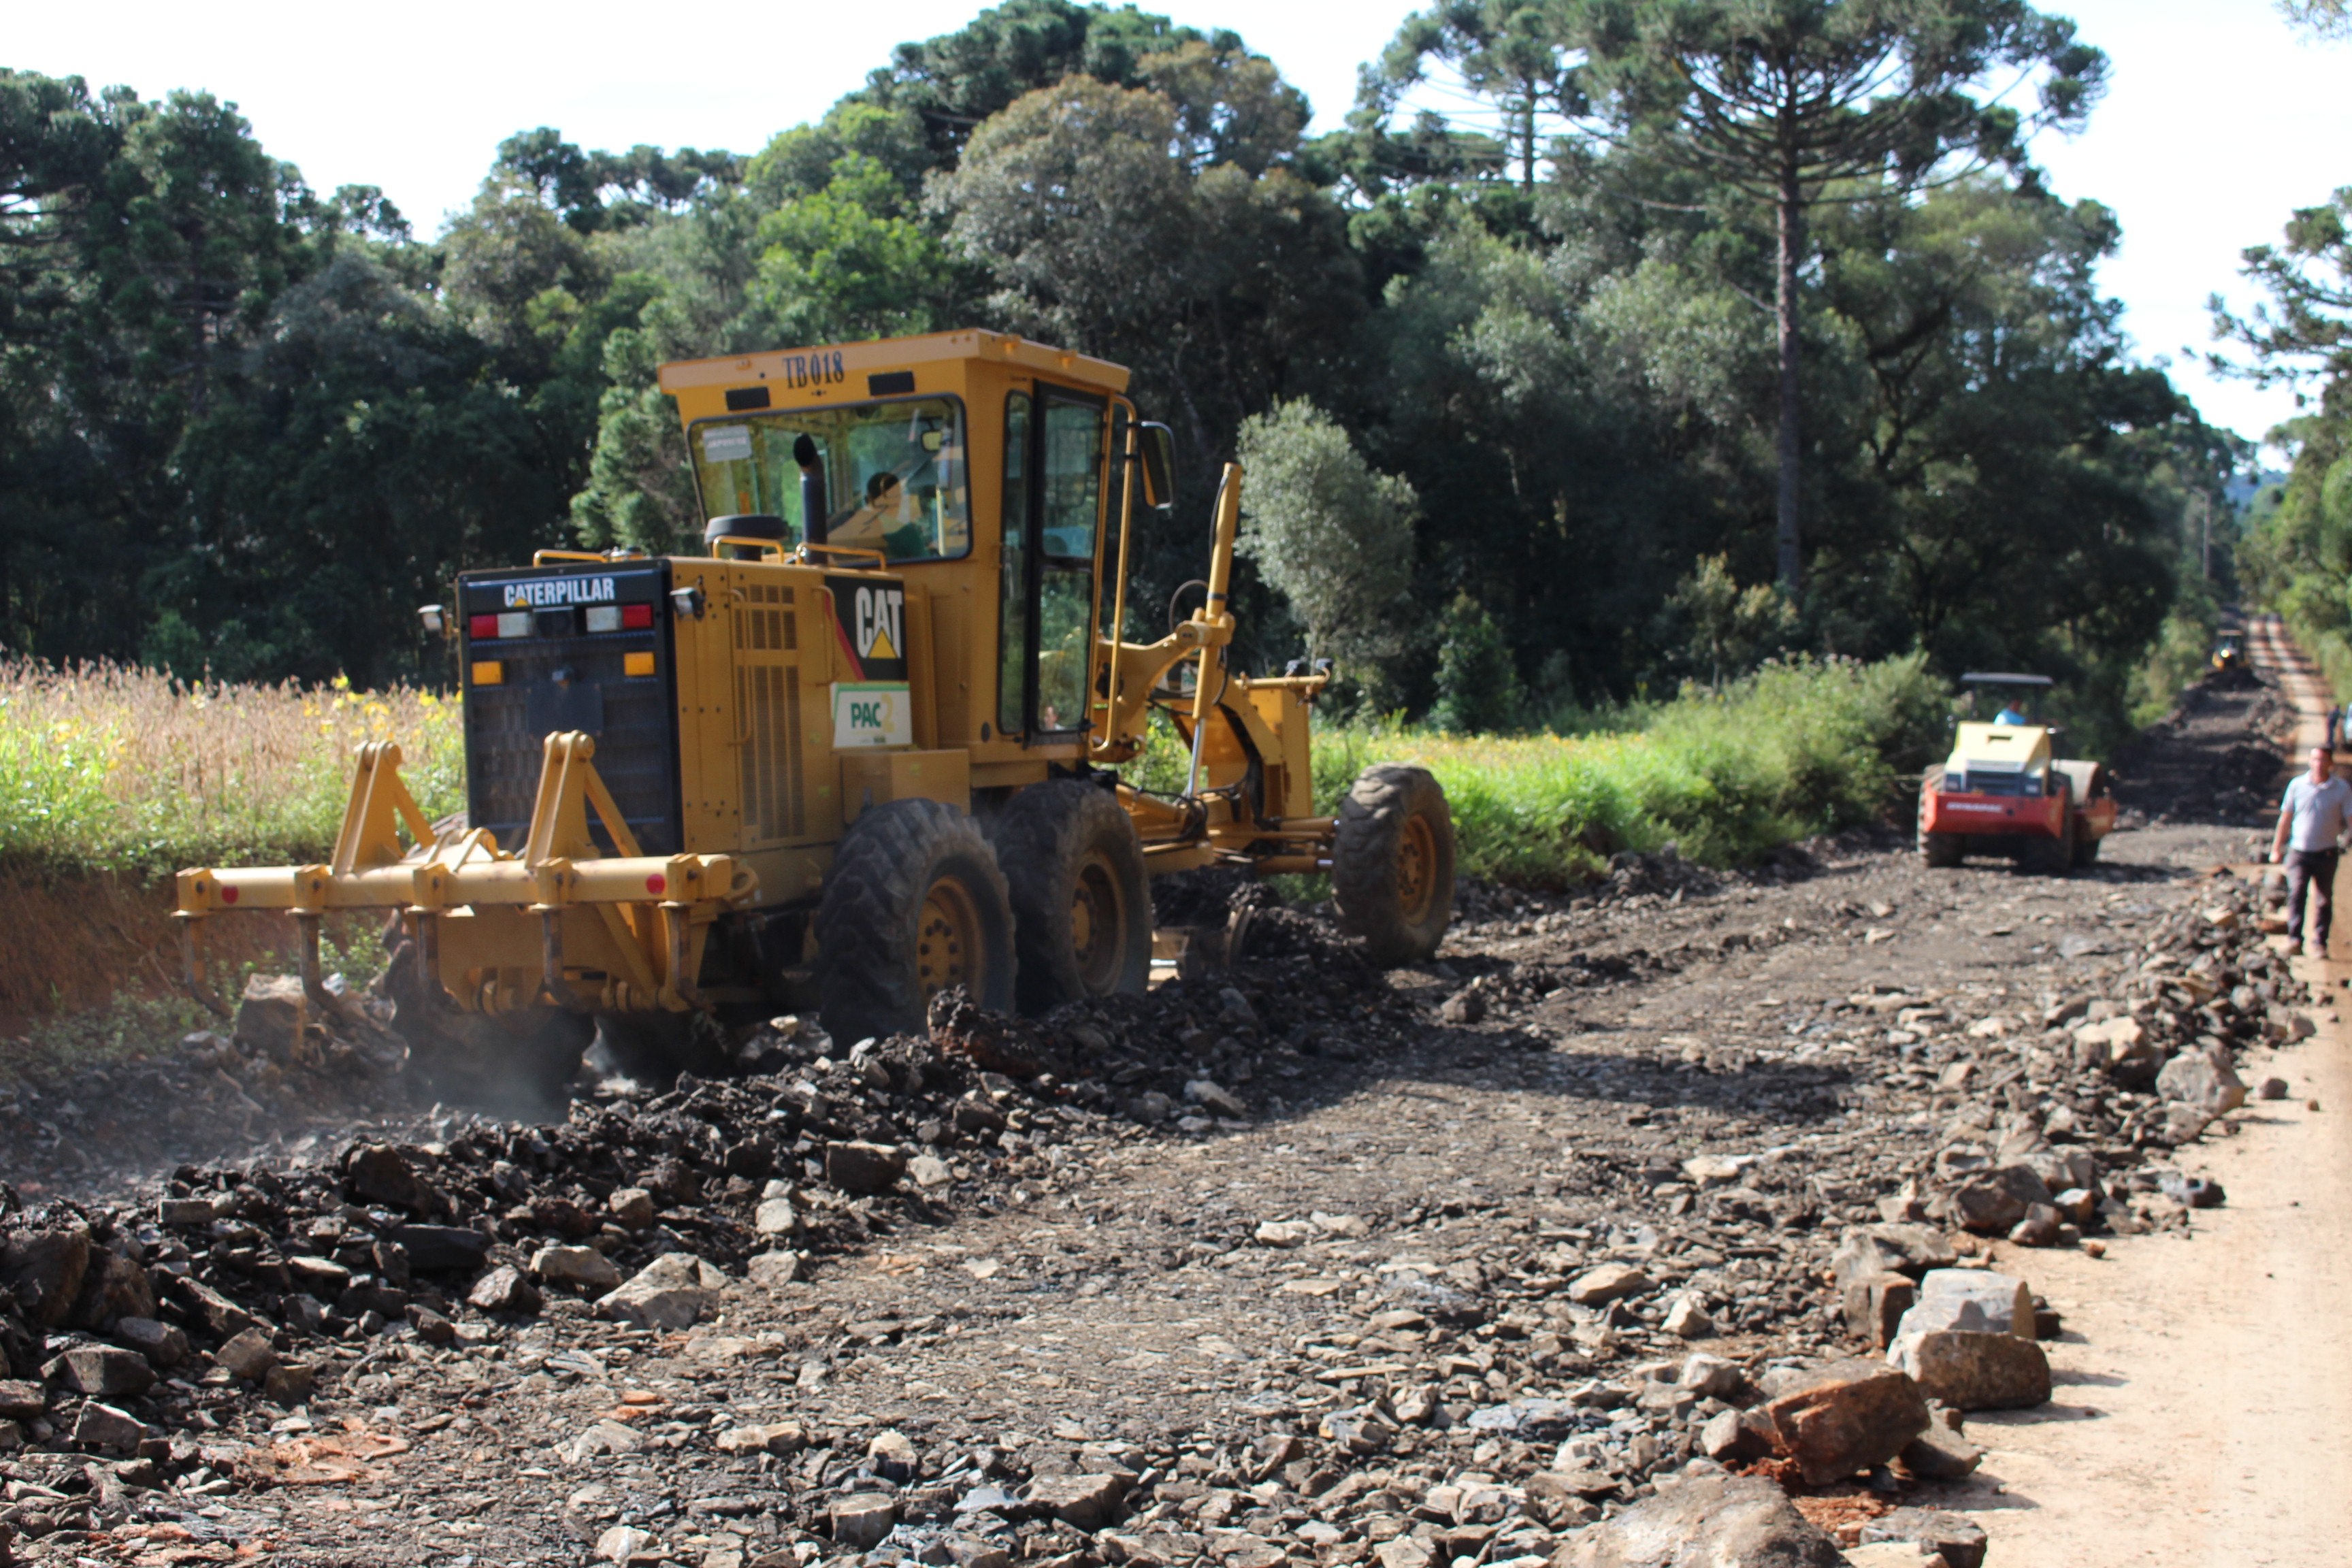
(1512, 403)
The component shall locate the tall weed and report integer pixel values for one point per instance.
(116, 768)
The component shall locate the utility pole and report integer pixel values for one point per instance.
(2205, 535)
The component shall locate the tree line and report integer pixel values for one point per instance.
(1726, 328)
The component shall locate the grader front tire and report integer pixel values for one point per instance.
(1392, 864)
(914, 903)
(1081, 901)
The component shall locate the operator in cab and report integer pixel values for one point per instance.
(2010, 713)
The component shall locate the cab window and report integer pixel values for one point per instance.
(894, 474)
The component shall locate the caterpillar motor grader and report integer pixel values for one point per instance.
(2005, 790)
(860, 750)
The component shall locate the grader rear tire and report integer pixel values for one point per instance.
(1392, 866)
(914, 903)
(1081, 903)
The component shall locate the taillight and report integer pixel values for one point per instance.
(620, 617)
(482, 627)
(514, 624)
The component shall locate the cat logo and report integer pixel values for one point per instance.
(872, 620)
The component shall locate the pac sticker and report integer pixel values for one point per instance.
(871, 714)
(870, 622)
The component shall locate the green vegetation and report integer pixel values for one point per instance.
(113, 768)
(127, 771)
(1793, 749)
(1587, 373)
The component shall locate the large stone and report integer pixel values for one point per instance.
(1687, 1319)
(504, 1290)
(1969, 1300)
(1846, 1417)
(1610, 1282)
(103, 1426)
(632, 1208)
(1707, 1521)
(1976, 1372)
(861, 1167)
(250, 1355)
(1908, 1249)
(289, 1383)
(1991, 1201)
(861, 1520)
(775, 1217)
(2121, 1045)
(1874, 1303)
(271, 1015)
(1730, 1436)
(2194, 1078)
(770, 1269)
(43, 1271)
(1940, 1454)
(380, 1174)
(103, 1371)
(1960, 1540)
(768, 1438)
(672, 1292)
(442, 1248)
(624, 1544)
(1086, 1502)
(223, 1317)
(22, 1401)
(113, 1287)
(582, 1266)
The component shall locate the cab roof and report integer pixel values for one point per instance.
(2000, 677)
(879, 355)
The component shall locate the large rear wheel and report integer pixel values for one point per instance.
(1392, 864)
(914, 903)
(1081, 904)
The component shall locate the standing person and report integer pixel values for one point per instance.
(2315, 815)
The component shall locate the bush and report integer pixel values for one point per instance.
(1478, 687)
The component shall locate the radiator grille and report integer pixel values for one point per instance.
(767, 695)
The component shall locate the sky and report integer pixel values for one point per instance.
(2207, 140)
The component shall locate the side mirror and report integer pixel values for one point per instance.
(1158, 445)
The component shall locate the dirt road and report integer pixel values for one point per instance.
(2203, 1416)
(1293, 1331)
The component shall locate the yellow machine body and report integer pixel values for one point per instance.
(961, 644)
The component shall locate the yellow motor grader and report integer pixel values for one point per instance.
(860, 750)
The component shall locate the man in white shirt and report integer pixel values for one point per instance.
(2313, 820)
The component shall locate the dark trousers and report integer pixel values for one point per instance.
(2315, 869)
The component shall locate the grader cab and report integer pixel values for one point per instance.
(862, 749)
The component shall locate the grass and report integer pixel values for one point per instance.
(118, 769)
(1793, 750)
(104, 768)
